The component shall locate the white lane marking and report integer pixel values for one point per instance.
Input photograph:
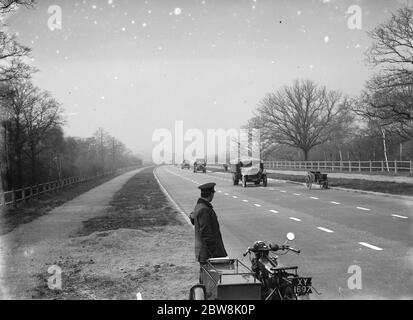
(368, 245)
(219, 191)
(245, 200)
(272, 189)
(226, 194)
(325, 229)
(295, 219)
(297, 194)
(235, 197)
(274, 211)
(398, 216)
(333, 202)
(257, 205)
(361, 208)
(314, 198)
(283, 191)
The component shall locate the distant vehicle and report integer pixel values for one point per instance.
(249, 170)
(200, 165)
(185, 164)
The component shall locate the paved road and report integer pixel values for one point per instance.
(345, 175)
(334, 230)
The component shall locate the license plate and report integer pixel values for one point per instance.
(302, 286)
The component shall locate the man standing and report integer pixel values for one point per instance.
(208, 239)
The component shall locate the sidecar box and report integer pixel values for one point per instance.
(229, 279)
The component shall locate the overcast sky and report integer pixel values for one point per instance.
(135, 66)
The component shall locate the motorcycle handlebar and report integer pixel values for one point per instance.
(275, 247)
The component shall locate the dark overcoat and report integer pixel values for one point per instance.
(208, 239)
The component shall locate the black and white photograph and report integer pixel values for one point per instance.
(229, 151)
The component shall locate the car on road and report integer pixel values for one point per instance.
(249, 170)
(185, 165)
(200, 165)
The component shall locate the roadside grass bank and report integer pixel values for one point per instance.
(396, 188)
(36, 207)
(140, 245)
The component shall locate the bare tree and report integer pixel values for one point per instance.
(388, 97)
(303, 115)
(7, 6)
(40, 116)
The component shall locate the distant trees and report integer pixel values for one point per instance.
(302, 115)
(377, 125)
(33, 148)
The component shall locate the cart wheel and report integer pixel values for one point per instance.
(235, 180)
(308, 182)
(265, 181)
(204, 171)
(244, 181)
(197, 293)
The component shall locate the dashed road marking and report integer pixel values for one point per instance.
(273, 211)
(325, 229)
(364, 209)
(295, 219)
(368, 245)
(245, 200)
(257, 205)
(315, 198)
(235, 197)
(227, 194)
(333, 202)
(283, 191)
(297, 194)
(398, 216)
(272, 189)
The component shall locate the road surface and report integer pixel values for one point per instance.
(338, 232)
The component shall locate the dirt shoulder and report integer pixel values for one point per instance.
(138, 244)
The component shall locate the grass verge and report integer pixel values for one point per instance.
(141, 244)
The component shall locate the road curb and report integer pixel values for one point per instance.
(356, 191)
(178, 208)
(375, 193)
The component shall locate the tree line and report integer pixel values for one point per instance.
(307, 121)
(34, 148)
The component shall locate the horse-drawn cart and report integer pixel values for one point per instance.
(316, 177)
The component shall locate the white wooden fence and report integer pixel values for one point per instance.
(14, 197)
(344, 166)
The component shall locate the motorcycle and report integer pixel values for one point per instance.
(278, 283)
